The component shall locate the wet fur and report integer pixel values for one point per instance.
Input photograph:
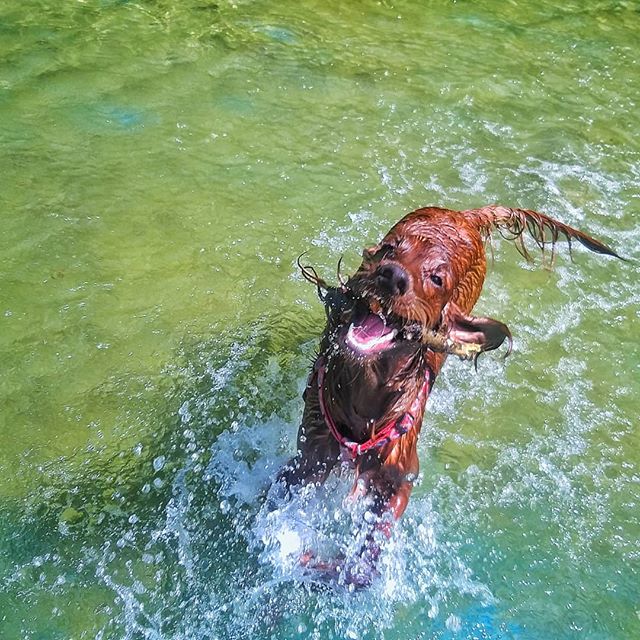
(437, 258)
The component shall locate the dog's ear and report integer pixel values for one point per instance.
(486, 332)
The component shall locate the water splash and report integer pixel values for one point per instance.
(416, 569)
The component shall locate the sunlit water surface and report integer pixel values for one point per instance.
(163, 164)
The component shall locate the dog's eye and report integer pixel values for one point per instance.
(385, 250)
(377, 252)
(436, 279)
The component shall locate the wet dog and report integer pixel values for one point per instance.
(389, 329)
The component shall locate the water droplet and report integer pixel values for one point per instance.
(158, 463)
(453, 623)
(184, 413)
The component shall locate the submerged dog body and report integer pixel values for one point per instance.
(389, 329)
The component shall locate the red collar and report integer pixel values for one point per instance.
(391, 431)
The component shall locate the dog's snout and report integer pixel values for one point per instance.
(393, 279)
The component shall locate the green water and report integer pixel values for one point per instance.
(164, 163)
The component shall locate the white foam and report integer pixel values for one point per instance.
(414, 566)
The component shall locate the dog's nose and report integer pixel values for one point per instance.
(393, 279)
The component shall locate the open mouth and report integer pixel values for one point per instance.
(370, 333)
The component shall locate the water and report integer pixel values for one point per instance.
(163, 164)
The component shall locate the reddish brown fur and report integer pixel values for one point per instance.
(429, 269)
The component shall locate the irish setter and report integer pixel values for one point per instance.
(389, 329)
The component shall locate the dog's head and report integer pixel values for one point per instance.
(424, 276)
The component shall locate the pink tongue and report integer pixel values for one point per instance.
(370, 328)
(370, 335)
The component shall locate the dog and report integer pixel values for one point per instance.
(389, 329)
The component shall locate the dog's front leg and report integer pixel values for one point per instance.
(303, 469)
(387, 487)
(317, 455)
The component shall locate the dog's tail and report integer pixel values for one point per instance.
(513, 223)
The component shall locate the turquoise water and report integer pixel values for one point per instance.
(163, 164)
